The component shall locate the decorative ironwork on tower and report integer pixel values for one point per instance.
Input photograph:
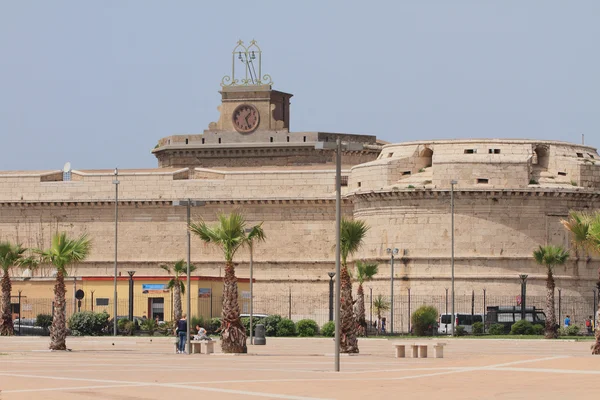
(251, 59)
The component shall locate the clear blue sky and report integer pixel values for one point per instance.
(97, 83)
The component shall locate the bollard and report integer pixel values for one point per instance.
(259, 335)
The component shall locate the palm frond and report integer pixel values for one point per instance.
(551, 256)
(579, 225)
(594, 233)
(352, 234)
(365, 271)
(10, 255)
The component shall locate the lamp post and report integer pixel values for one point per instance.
(331, 275)
(392, 253)
(452, 183)
(338, 146)
(188, 203)
(523, 278)
(116, 183)
(248, 230)
(131, 273)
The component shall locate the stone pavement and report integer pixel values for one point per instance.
(148, 368)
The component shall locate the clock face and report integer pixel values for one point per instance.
(245, 118)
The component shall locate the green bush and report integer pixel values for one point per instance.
(213, 326)
(149, 325)
(270, 323)
(126, 327)
(43, 320)
(572, 330)
(522, 327)
(460, 331)
(497, 329)
(255, 321)
(538, 329)
(423, 320)
(286, 327)
(88, 323)
(328, 329)
(478, 328)
(307, 328)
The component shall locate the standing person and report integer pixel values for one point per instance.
(182, 333)
(567, 321)
(588, 324)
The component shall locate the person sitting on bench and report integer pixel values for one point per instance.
(201, 334)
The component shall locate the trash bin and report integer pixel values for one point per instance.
(259, 335)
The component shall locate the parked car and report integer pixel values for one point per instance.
(508, 315)
(27, 326)
(464, 320)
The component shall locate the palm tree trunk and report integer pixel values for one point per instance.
(177, 300)
(6, 323)
(551, 332)
(360, 310)
(348, 340)
(378, 321)
(58, 330)
(233, 334)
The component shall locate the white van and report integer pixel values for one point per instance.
(464, 320)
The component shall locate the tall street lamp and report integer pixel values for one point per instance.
(523, 278)
(188, 203)
(248, 230)
(338, 146)
(331, 275)
(116, 183)
(392, 253)
(131, 273)
(452, 183)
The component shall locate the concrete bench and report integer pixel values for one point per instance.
(419, 350)
(209, 345)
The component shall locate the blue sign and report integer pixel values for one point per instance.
(153, 286)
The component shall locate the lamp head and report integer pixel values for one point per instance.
(393, 251)
(453, 182)
(116, 171)
(331, 274)
(131, 273)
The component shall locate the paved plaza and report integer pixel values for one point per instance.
(148, 368)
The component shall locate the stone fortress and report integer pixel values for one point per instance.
(509, 197)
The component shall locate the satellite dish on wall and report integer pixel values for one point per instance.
(67, 167)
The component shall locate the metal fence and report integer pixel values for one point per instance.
(315, 306)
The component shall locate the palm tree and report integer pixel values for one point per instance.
(61, 253)
(10, 256)
(230, 235)
(352, 233)
(594, 245)
(176, 284)
(379, 304)
(550, 256)
(579, 225)
(364, 273)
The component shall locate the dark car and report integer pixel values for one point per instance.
(508, 315)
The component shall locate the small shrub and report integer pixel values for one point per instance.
(43, 320)
(537, 329)
(423, 320)
(478, 328)
(149, 325)
(270, 323)
(410, 187)
(573, 330)
(328, 329)
(522, 327)
(574, 183)
(460, 331)
(422, 170)
(286, 327)
(167, 328)
(255, 321)
(213, 326)
(533, 182)
(88, 323)
(126, 327)
(497, 329)
(307, 328)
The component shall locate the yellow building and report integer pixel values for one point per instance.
(151, 297)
